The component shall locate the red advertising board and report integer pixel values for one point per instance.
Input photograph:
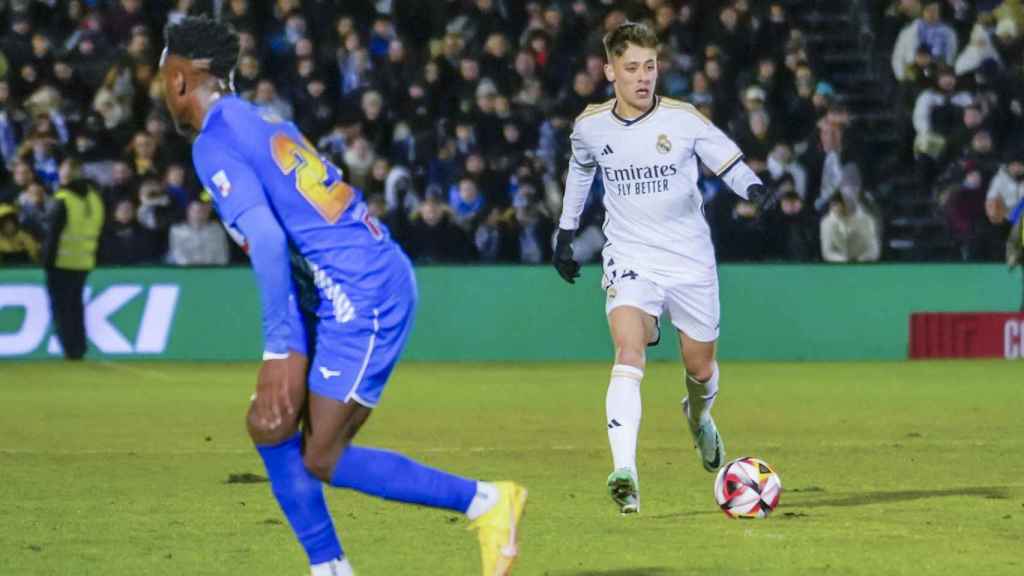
(967, 335)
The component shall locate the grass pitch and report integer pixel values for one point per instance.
(896, 468)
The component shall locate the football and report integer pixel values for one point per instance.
(747, 488)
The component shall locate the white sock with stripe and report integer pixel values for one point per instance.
(701, 396)
(336, 567)
(622, 406)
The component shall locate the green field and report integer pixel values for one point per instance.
(891, 468)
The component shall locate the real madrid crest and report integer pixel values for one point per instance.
(664, 145)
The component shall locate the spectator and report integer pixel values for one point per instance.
(782, 162)
(936, 113)
(433, 237)
(929, 30)
(848, 233)
(125, 242)
(467, 204)
(490, 236)
(33, 207)
(962, 198)
(198, 241)
(530, 234)
(156, 213)
(792, 234)
(22, 177)
(1007, 188)
(266, 97)
(16, 245)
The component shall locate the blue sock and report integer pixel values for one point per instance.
(392, 476)
(301, 496)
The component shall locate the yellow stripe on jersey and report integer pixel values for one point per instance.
(595, 109)
(685, 106)
(728, 164)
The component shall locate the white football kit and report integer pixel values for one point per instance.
(659, 253)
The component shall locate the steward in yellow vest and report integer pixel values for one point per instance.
(73, 236)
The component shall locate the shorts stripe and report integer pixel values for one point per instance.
(366, 359)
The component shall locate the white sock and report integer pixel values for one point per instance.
(336, 567)
(622, 406)
(485, 499)
(701, 396)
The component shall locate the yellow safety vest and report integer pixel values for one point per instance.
(76, 249)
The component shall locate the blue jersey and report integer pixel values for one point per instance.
(249, 159)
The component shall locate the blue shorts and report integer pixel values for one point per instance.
(352, 361)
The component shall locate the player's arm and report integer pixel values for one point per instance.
(242, 204)
(725, 159)
(580, 177)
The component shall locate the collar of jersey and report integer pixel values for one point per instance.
(212, 110)
(625, 122)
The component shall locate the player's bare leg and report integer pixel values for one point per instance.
(299, 494)
(631, 329)
(702, 388)
(494, 508)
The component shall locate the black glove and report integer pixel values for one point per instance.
(567, 268)
(760, 196)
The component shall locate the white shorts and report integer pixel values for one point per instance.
(692, 305)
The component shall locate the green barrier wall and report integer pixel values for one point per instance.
(769, 312)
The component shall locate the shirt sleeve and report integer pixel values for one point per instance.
(580, 177)
(231, 182)
(268, 250)
(716, 150)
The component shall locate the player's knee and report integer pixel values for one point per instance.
(265, 435)
(701, 370)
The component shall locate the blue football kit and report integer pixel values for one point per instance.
(338, 287)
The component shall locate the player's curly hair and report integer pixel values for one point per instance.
(617, 41)
(202, 38)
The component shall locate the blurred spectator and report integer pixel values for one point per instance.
(467, 205)
(848, 233)
(22, 176)
(16, 245)
(792, 230)
(266, 97)
(433, 236)
(124, 241)
(33, 207)
(1007, 188)
(530, 234)
(936, 113)
(782, 162)
(930, 31)
(198, 241)
(156, 212)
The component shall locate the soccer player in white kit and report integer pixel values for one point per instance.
(659, 254)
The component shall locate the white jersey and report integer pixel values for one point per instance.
(649, 166)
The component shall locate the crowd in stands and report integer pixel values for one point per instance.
(960, 72)
(453, 117)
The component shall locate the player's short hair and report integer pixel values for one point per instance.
(202, 38)
(637, 33)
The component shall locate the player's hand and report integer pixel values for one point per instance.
(273, 403)
(568, 268)
(760, 196)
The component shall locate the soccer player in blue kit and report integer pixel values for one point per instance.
(314, 248)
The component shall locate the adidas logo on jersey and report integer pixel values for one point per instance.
(607, 150)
